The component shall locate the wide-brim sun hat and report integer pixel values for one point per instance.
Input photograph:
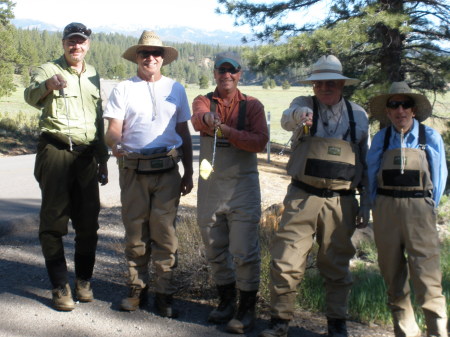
(422, 106)
(150, 40)
(328, 67)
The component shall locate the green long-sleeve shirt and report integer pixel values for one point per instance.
(82, 119)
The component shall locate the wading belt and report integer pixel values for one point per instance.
(321, 192)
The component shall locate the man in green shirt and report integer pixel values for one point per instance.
(71, 160)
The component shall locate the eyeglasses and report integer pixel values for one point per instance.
(232, 70)
(395, 104)
(147, 53)
(329, 84)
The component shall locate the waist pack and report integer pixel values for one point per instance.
(151, 164)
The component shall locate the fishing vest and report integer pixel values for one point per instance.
(410, 180)
(319, 165)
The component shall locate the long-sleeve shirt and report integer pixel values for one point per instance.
(435, 154)
(255, 135)
(82, 118)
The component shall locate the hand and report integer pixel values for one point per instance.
(363, 216)
(187, 184)
(118, 150)
(303, 116)
(211, 120)
(103, 173)
(56, 82)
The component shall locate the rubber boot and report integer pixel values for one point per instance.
(136, 297)
(227, 304)
(245, 318)
(278, 328)
(163, 306)
(337, 327)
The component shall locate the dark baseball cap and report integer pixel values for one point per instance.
(227, 57)
(76, 28)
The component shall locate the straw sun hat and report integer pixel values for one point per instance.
(150, 40)
(328, 68)
(422, 106)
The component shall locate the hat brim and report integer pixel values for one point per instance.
(170, 53)
(377, 107)
(76, 34)
(329, 76)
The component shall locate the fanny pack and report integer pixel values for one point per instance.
(151, 164)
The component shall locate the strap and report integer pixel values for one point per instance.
(422, 137)
(242, 110)
(387, 137)
(351, 119)
(352, 122)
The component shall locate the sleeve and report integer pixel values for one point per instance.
(256, 135)
(37, 88)
(200, 106)
(438, 163)
(115, 108)
(288, 120)
(373, 163)
(184, 112)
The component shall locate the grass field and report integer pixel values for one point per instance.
(275, 102)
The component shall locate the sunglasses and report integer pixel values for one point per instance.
(232, 70)
(154, 53)
(395, 104)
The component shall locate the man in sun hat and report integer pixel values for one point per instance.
(70, 162)
(233, 127)
(148, 133)
(407, 174)
(327, 166)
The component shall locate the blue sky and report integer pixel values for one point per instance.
(147, 14)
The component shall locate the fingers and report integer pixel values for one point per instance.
(56, 82)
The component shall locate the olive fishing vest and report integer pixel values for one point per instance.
(410, 180)
(319, 164)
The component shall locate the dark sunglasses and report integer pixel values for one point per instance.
(395, 104)
(147, 53)
(232, 70)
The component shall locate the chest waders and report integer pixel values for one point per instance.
(415, 180)
(326, 167)
(235, 177)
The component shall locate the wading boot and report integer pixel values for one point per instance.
(163, 306)
(245, 318)
(83, 290)
(62, 298)
(278, 328)
(337, 327)
(136, 297)
(227, 304)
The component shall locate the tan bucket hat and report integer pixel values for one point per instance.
(422, 106)
(328, 67)
(150, 39)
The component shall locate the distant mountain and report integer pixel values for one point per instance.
(172, 34)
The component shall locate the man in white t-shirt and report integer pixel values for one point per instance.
(148, 133)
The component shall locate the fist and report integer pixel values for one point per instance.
(302, 116)
(56, 82)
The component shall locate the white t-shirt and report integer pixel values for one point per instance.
(132, 101)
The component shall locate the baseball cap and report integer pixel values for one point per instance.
(227, 57)
(76, 28)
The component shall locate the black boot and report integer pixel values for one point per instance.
(245, 318)
(227, 304)
(337, 327)
(163, 305)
